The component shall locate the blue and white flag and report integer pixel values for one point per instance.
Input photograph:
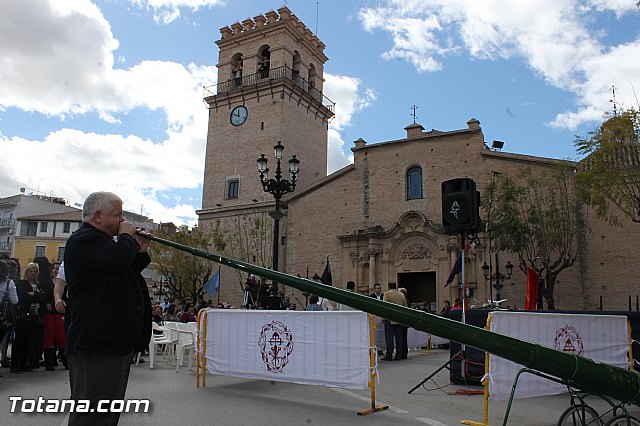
(213, 285)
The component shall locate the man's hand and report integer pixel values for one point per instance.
(127, 228)
(142, 242)
(61, 306)
(58, 291)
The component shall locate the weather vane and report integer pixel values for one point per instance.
(413, 113)
(613, 101)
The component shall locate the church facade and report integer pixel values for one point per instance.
(379, 219)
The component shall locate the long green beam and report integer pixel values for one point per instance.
(579, 372)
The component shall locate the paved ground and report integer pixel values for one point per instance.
(175, 400)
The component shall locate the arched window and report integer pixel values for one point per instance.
(296, 66)
(264, 61)
(236, 69)
(312, 77)
(414, 183)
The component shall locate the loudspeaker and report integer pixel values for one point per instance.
(460, 206)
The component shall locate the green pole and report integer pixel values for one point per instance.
(577, 371)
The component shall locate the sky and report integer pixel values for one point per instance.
(107, 94)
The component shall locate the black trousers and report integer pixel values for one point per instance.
(405, 342)
(95, 376)
(23, 346)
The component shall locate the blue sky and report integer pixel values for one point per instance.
(107, 94)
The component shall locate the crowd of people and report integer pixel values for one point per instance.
(30, 321)
(51, 316)
(183, 311)
(35, 326)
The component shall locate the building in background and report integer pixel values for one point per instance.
(45, 235)
(378, 220)
(37, 225)
(25, 205)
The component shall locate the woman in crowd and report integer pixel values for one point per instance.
(156, 311)
(14, 275)
(8, 301)
(171, 314)
(156, 316)
(188, 314)
(313, 303)
(30, 298)
(52, 324)
(446, 308)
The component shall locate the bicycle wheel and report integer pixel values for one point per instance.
(580, 415)
(623, 420)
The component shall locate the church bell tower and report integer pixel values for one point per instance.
(270, 81)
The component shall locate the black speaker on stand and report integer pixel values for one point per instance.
(460, 206)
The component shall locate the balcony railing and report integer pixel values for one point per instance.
(5, 247)
(7, 222)
(283, 72)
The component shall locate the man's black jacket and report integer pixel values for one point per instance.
(109, 301)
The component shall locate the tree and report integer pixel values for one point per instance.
(185, 274)
(539, 218)
(610, 173)
(248, 238)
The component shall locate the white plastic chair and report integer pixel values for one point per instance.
(173, 332)
(161, 339)
(186, 343)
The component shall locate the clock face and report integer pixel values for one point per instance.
(239, 115)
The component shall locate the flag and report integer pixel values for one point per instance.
(457, 268)
(327, 279)
(533, 282)
(213, 284)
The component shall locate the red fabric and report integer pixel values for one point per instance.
(533, 283)
(54, 335)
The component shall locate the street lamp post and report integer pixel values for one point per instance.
(158, 292)
(277, 187)
(154, 290)
(498, 276)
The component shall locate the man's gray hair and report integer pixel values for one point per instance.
(98, 201)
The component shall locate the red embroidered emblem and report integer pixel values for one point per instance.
(568, 340)
(276, 344)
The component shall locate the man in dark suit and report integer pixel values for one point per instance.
(377, 291)
(108, 303)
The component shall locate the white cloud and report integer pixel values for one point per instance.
(344, 91)
(559, 41)
(613, 68)
(105, 116)
(167, 11)
(56, 73)
(349, 98)
(337, 158)
(134, 168)
(49, 69)
(45, 66)
(414, 38)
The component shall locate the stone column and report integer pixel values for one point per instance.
(372, 266)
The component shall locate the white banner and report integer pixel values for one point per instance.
(321, 348)
(602, 338)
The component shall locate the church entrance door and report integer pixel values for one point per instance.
(421, 287)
